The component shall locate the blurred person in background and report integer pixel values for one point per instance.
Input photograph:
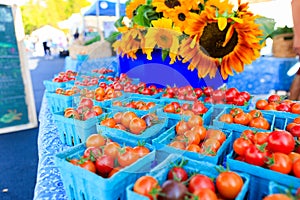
(295, 87)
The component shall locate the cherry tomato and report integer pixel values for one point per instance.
(277, 197)
(241, 118)
(296, 108)
(296, 168)
(261, 104)
(137, 125)
(88, 165)
(229, 184)
(205, 194)
(127, 117)
(260, 123)
(227, 118)
(240, 145)
(195, 120)
(141, 150)
(144, 185)
(178, 173)
(255, 156)
(181, 127)
(127, 158)
(104, 164)
(95, 140)
(109, 122)
(274, 98)
(281, 141)
(280, 162)
(111, 149)
(200, 181)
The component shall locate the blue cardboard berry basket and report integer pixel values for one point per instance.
(52, 86)
(73, 131)
(147, 135)
(160, 173)
(238, 127)
(162, 143)
(58, 102)
(275, 188)
(138, 95)
(139, 112)
(261, 177)
(80, 183)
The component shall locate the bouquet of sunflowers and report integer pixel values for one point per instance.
(209, 34)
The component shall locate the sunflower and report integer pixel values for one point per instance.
(132, 6)
(163, 35)
(131, 42)
(179, 16)
(220, 42)
(165, 6)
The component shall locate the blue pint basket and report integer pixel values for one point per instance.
(73, 131)
(82, 57)
(261, 177)
(238, 127)
(160, 173)
(162, 143)
(80, 183)
(147, 136)
(58, 102)
(275, 188)
(138, 95)
(52, 86)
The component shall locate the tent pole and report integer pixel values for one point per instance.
(97, 15)
(118, 9)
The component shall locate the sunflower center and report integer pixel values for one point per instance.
(212, 39)
(172, 3)
(181, 16)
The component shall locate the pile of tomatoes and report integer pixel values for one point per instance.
(183, 93)
(253, 118)
(197, 108)
(102, 70)
(106, 157)
(69, 75)
(84, 111)
(278, 103)
(86, 81)
(67, 92)
(226, 96)
(130, 121)
(138, 105)
(294, 127)
(181, 185)
(192, 136)
(276, 150)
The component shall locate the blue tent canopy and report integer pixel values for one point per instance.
(106, 8)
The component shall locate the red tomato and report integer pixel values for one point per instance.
(177, 173)
(178, 145)
(169, 108)
(283, 107)
(216, 134)
(192, 137)
(281, 141)
(195, 120)
(239, 100)
(255, 156)
(235, 111)
(227, 118)
(274, 98)
(295, 130)
(296, 168)
(260, 138)
(277, 197)
(144, 185)
(296, 108)
(242, 118)
(109, 122)
(199, 108)
(229, 184)
(112, 149)
(260, 123)
(248, 134)
(204, 194)
(200, 181)
(280, 162)
(261, 104)
(127, 117)
(104, 165)
(86, 102)
(246, 95)
(92, 153)
(141, 150)
(240, 145)
(218, 95)
(208, 91)
(230, 94)
(88, 165)
(201, 130)
(181, 127)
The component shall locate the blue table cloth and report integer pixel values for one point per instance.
(48, 184)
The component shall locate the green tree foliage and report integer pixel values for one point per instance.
(37, 13)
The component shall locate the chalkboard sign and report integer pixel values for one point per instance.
(17, 108)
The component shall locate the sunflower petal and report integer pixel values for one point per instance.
(222, 23)
(238, 20)
(228, 35)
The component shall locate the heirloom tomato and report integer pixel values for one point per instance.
(229, 184)
(145, 185)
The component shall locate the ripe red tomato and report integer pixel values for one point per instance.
(144, 185)
(127, 117)
(177, 173)
(181, 127)
(274, 98)
(208, 91)
(283, 107)
(240, 145)
(295, 130)
(248, 134)
(141, 150)
(200, 181)
(242, 118)
(216, 134)
(192, 137)
(92, 153)
(246, 95)
(230, 94)
(104, 164)
(199, 108)
(169, 108)
(229, 184)
(296, 108)
(281, 141)
(260, 138)
(109, 122)
(201, 130)
(255, 156)
(218, 95)
(280, 162)
(204, 194)
(296, 168)
(88, 165)
(178, 144)
(260, 123)
(261, 104)
(239, 100)
(277, 197)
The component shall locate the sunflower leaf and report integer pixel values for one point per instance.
(267, 26)
(144, 15)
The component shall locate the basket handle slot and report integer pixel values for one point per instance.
(288, 38)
